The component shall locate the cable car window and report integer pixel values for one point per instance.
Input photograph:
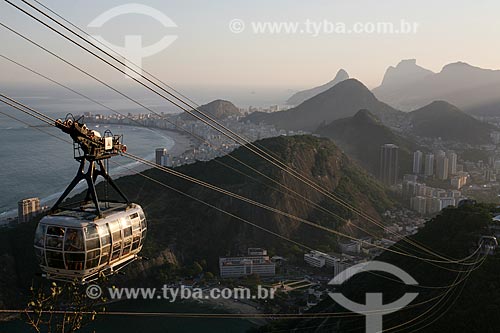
(55, 259)
(136, 241)
(55, 236)
(40, 235)
(143, 237)
(143, 224)
(55, 231)
(126, 246)
(93, 244)
(116, 252)
(133, 216)
(105, 255)
(104, 233)
(92, 259)
(54, 242)
(74, 240)
(40, 256)
(137, 233)
(141, 215)
(127, 232)
(136, 224)
(114, 227)
(91, 232)
(74, 261)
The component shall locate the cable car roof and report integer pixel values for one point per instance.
(86, 215)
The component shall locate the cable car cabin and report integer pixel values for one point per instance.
(488, 244)
(76, 245)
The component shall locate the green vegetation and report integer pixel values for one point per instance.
(475, 155)
(441, 119)
(362, 135)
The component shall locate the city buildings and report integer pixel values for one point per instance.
(429, 165)
(419, 204)
(319, 259)
(27, 209)
(459, 180)
(442, 165)
(418, 159)
(315, 259)
(256, 262)
(452, 162)
(162, 157)
(389, 155)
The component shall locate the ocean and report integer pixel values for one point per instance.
(35, 164)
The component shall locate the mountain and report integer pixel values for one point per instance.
(445, 296)
(218, 109)
(341, 101)
(406, 72)
(304, 95)
(362, 135)
(470, 88)
(196, 232)
(441, 119)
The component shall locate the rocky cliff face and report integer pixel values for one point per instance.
(202, 232)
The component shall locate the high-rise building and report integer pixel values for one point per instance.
(389, 155)
(419, 204)
(417, 162)
(452, 162)
(27, 208)
(161, 156)
(442, 167)
(429, 165)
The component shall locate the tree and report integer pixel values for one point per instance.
(61, 308)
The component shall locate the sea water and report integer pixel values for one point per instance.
(35, 164)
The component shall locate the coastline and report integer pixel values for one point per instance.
(181, 143)
(236, 307)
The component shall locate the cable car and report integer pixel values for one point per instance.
(83, 241)
(72, 245)
(488, 244)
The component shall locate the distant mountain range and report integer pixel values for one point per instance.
(362, 135)
(345, 99)
(304, 95)
(472, 89)
(340, 101)
(405, 73)
(218, 109)
(441, 119)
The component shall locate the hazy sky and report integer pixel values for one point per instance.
(207, 53)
